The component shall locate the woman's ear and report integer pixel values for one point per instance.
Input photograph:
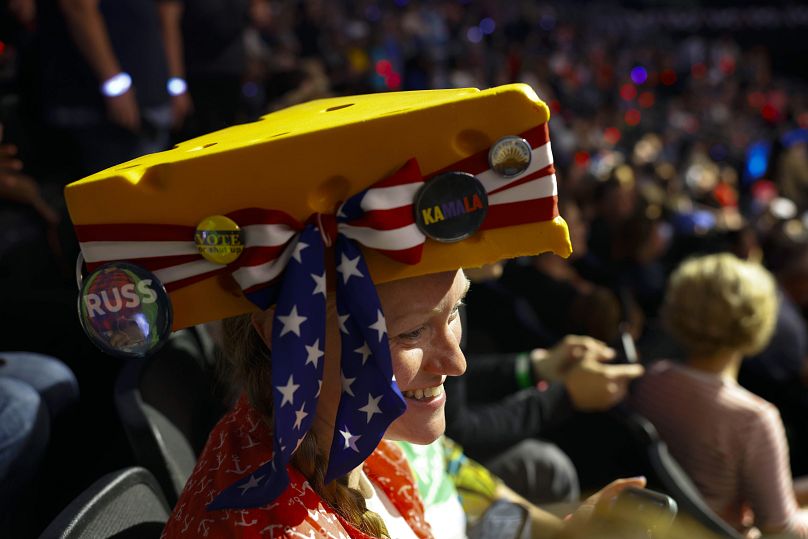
(262, 323)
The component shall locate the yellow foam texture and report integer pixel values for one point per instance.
(307, 159)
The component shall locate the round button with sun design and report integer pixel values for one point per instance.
(510, 156)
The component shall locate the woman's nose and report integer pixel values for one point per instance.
(449, 359)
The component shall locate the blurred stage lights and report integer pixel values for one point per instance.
(639, 75)
(628, 92)
(474, 34)
(632, 117)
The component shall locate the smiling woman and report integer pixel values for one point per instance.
(424, 324)
(353, 292)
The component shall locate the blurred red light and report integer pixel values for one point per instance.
(646, 100)
(725, 195)
(632, 117)
(756, 100)
(628, 92)
(769, 113)
(581, 158)
(668, 77)
(384, 67)
(393, 81)
(612, 135)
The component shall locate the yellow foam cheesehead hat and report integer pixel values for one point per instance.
(378, 188)
(423, 181)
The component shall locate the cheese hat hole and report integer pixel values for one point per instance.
(209, 144)
(155, 178)
(332, 109)
(133, 165)
(394, 112)
(470, 141)
(280, 134)
(325, 196)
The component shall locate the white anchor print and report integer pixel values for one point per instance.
(271, 529)
(251, 444)
(244, 522)
(238, 469)
(221, 442)
(188, 519)
(220, 461)
(203, 527)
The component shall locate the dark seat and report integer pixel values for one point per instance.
(668, 477)
(168, 405)
(124, 504)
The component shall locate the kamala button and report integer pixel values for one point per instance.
(510, 156)
(450, 207)
(125, 310)
(219, 239)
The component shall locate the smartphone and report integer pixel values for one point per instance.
(639, 512)
(502, 520)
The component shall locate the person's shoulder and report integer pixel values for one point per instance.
(750, 409)
(657, 372)
(237, 448)
(298, 511)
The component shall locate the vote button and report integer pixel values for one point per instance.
(219, 239)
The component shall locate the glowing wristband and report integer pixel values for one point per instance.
(116, 85)
(523, 367)
(176, 86)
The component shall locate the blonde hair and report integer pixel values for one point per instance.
(250, 369)
(719, 303)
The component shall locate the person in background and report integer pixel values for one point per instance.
(729, 441)
(505, 404)
(112, 77)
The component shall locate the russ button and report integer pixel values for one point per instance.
(125, 310)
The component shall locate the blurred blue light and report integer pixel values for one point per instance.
(696, 222)
(757, 165)
(249, 89)
(487, 25)
(639, 75)
(547, 22)
(474, 34)
(795, 136)
(757, 161)
(402, 3)
(703, 219)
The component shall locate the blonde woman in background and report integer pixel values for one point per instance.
(731, 442)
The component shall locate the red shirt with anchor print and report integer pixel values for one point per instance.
(237, 446)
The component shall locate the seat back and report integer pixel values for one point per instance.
(122, 504)
(168, 404)
(669, 477)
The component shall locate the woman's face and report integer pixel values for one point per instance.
(423, 325)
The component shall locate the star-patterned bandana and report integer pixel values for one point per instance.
(370, 398)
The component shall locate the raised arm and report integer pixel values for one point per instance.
(170, 25)
(89, 32)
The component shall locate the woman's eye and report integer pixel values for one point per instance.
(455, 312)
(412, 335)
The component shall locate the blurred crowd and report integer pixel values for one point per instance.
(674, 133)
